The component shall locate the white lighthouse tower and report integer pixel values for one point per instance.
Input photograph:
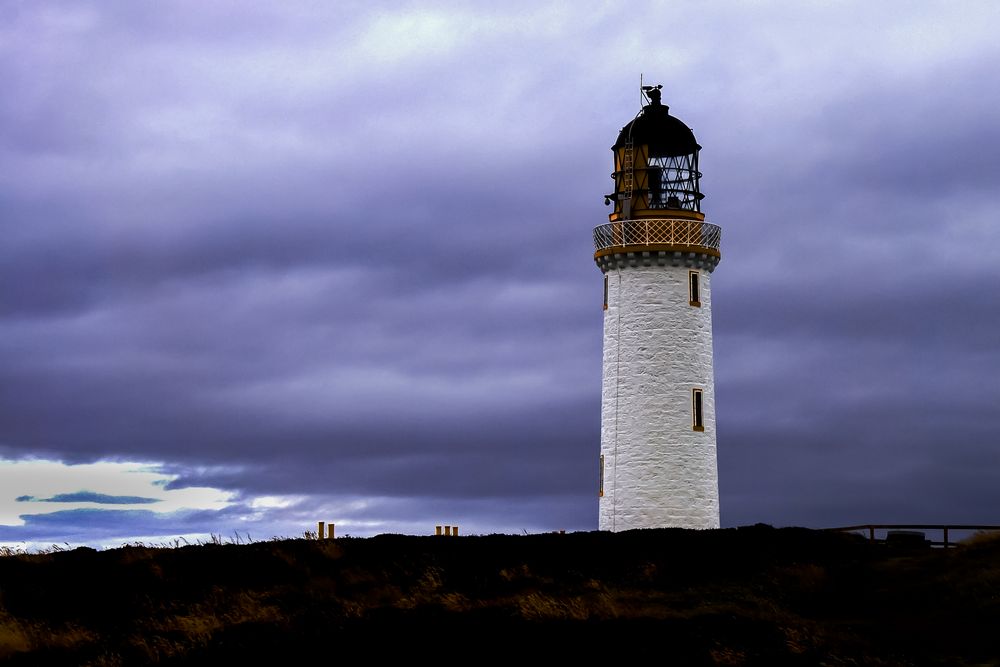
(657, 253)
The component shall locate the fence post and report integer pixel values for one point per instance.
(319, 530)
(437, 530)
(329, 531)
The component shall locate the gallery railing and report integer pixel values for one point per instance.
(658, 231)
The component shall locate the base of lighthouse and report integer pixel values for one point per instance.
(658, 444)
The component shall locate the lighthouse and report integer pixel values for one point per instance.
(658, 465)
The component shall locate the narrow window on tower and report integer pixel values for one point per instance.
(694, 289)
(600, 491)
(605, 291)
(697, 413)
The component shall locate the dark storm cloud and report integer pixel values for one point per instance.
(346, 254)
(854, 371)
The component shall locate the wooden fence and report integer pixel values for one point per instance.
(903, 530)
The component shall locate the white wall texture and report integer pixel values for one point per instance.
(658, 471)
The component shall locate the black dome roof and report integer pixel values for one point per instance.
(665, 135)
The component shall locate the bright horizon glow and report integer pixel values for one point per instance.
(42, 479)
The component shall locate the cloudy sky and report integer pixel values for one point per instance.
(269, 263)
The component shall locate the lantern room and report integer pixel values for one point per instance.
(656, 166)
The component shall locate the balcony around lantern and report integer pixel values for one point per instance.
(671, 234)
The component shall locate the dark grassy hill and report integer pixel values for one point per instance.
(743, 596)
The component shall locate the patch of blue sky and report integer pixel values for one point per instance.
(85, 496)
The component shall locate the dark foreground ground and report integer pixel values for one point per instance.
(743, 596)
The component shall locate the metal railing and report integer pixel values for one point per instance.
(658, 231)
(871, 528)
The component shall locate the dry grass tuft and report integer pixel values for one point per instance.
(981, 538)
(13, 638)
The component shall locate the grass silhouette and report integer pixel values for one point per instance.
(737, 596)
